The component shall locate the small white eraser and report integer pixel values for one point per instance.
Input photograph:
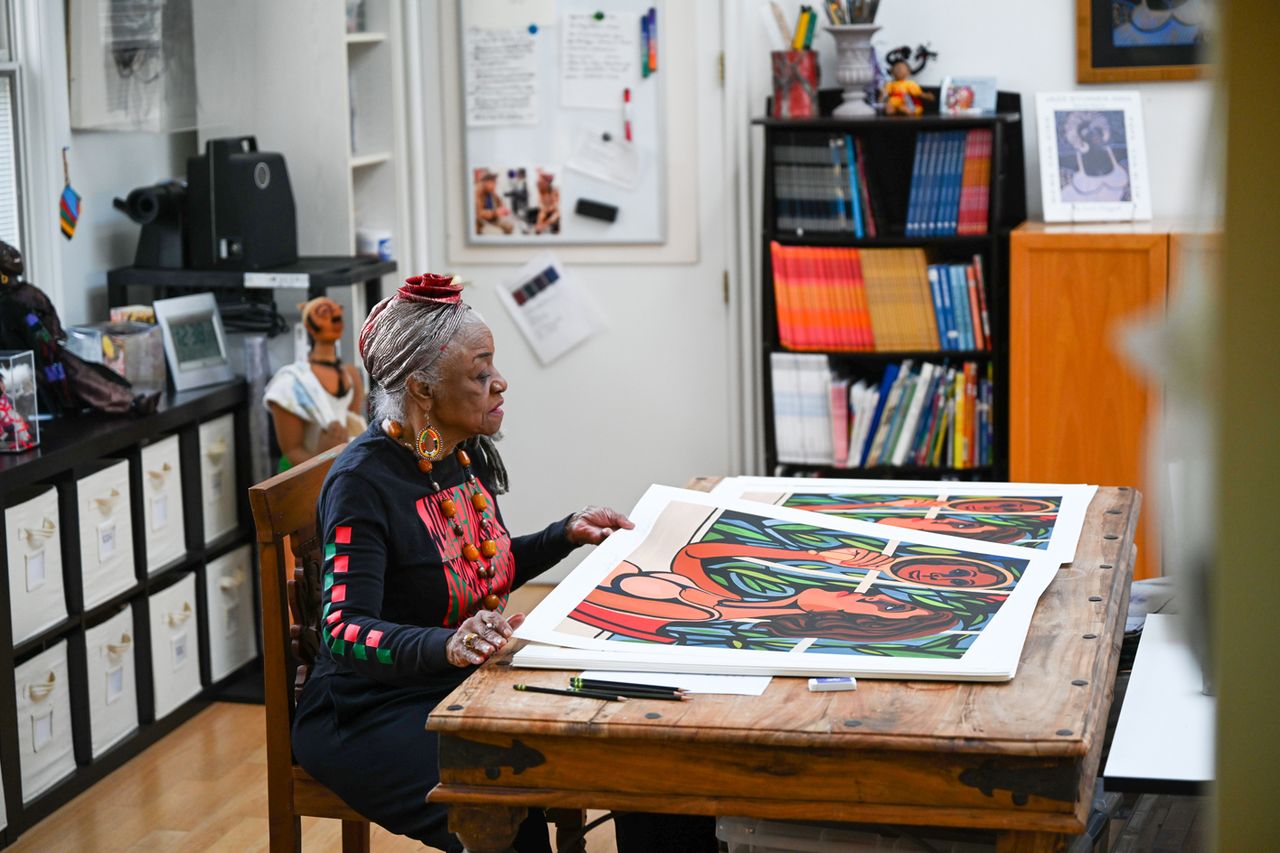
(819, 685)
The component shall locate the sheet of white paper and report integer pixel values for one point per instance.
(597, 59)
(737, 685)
(512, 14)
(501, 76)
(613, 160)
(548, 307)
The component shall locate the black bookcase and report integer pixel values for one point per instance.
(70, 447)
(888, 144)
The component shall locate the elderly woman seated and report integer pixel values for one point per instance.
(418, 562)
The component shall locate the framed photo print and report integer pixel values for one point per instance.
(1093, 164)
(1124, 40)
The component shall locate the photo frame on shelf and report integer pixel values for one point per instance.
(1131, 40)
(1093, 163)
(195, 344)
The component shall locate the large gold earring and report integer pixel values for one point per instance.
(429, 445)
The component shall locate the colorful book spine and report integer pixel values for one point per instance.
(855, 194)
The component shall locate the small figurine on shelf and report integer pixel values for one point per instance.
(316, 404)
(17, 378)
(901, 95)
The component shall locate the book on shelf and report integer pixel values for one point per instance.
(840, 299)
(916, 413)
(820, 186)
(950, 183)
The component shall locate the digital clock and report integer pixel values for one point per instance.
(194, 342)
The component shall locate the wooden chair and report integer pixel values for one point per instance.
(290, 555)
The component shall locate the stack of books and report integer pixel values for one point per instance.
(950, 183)
(821, 186)
(831, 299)
(918, 414)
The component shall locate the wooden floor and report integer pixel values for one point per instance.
(204, 787)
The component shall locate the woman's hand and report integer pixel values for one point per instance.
(592, 525)
(479, 636)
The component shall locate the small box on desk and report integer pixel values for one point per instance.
(19, 429)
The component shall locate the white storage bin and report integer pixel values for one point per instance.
(112, 673)
(162, 503)
(233, 625)
(106, 532)
(44, 721)
(218, 477)
(175, 646)
(36, 595)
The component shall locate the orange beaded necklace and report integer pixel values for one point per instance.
(483, 556)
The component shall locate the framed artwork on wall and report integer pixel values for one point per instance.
(1128, 40)
(1093, 158)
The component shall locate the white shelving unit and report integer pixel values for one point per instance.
(332, 102)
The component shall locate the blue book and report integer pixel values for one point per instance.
(853, 186)
(939, 315)
(890, 374)
(948, 317)
(960, 305)
(942, 163)
(955, 172)
(929, 184)
(926, 413)
(917, 189)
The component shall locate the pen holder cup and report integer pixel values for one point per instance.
(795, 83)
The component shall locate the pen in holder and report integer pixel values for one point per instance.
(795, 83)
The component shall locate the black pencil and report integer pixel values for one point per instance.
(637, 692)
(589, 694)
(597, 684)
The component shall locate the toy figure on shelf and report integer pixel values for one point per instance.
(66, 382)
(901, 95)
(316, 404)
(15, 432)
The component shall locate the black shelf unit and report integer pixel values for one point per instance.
(889, 147)
(67, 446)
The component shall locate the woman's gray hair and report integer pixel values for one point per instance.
(409, 340)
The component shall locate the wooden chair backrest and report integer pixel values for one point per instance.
(291, 556)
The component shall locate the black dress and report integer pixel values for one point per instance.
(395, 587)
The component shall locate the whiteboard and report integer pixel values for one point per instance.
(535, 116)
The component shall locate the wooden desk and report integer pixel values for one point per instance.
(1020, 758)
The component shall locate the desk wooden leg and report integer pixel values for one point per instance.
(486, 829)
(1031, 842)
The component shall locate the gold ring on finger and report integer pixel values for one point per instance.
(469, 639)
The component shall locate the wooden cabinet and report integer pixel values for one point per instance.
(1078, 410)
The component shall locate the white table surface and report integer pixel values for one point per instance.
(1163, 742)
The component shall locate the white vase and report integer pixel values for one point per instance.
(854, 67)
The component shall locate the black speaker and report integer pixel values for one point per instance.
(240, 212)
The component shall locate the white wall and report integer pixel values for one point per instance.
(647, 401)
(1029, 47)
(103, 166)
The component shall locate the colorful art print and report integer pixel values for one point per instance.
(1120, 40)
(1092, 157)
(968, 96)
(1044, 517)
(707, 579)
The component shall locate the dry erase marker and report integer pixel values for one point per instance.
(644, 45)
(825, 684)
(652, 18)
(626, 113)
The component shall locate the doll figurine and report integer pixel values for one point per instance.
(316, 404)
(901, 95)
(15, 433)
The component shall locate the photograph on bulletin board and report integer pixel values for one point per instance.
(562, 138)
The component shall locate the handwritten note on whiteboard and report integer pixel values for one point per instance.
(501, 77)
(598, 59)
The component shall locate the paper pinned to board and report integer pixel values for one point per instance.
(550, 309)
(605, 157)
(597, 59)
(501, 76)
(512, 14)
